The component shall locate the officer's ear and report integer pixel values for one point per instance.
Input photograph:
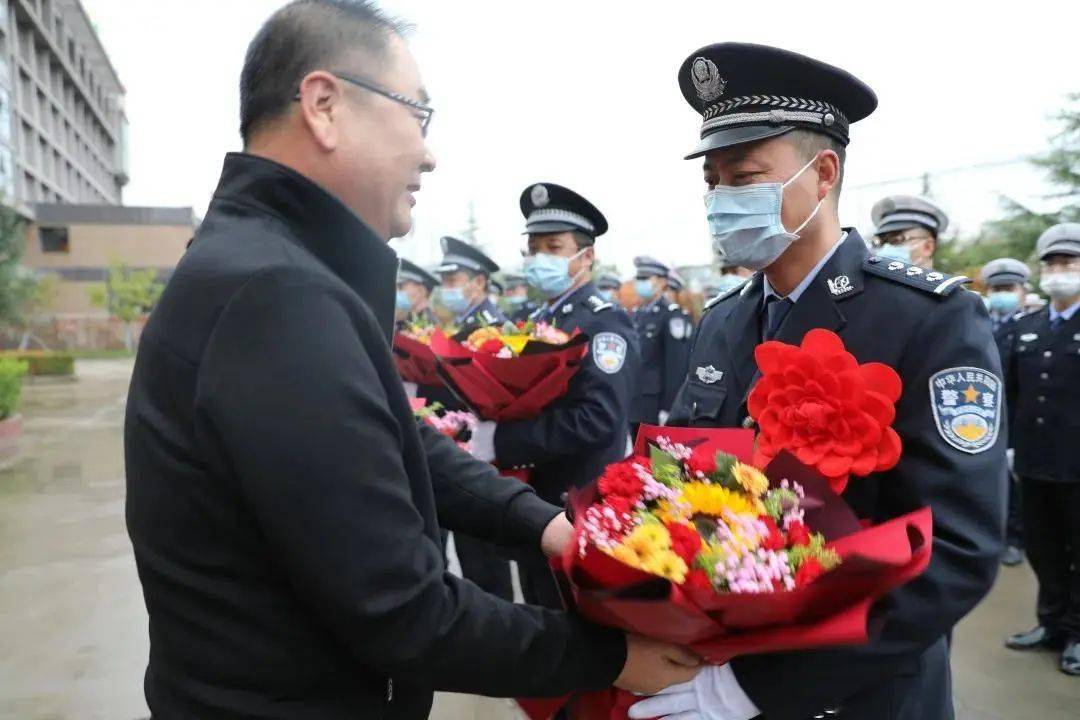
(829, 169)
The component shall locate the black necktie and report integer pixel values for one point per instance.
(1056, 322)
(776, 309)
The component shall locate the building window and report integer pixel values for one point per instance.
(54, 240)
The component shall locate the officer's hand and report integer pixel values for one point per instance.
(557, 535)
(664, 415)
(652, 666)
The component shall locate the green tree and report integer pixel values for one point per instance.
(1015, 234)
(128, 294)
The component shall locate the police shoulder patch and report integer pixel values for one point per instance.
(929, 281)
(609, 352)
(966, 403)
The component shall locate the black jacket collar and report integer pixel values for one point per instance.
(319, 223)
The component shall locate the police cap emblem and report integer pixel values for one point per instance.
(709, 375)
(967, 407)
(609, 352)
(706, 78)
(539, 196)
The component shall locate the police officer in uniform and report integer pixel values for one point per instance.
(908, 229)
(776, 127)
(414, 288)
(1044, 387)
(573, 439)
(1006, 280)
(665, 331)
(466, 274)
(519, 305)
(609, 286)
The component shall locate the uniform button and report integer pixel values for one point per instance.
(748, 422)
(1044, 376)
(1047, 353)
(1041, 398)
(1039, 421)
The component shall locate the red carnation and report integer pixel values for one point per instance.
(775, 540)
(491, 346)
(798, 533)
(701, 461)
(621, 505)
(621, 480)
(818, 403)
(808, 572)
(685, 542)
(698, 579)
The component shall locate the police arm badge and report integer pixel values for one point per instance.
(967, 404)
(609, 352)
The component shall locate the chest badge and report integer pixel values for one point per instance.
(840, 285)
(609, 352)
(709, 375)
(1029, 337)
(567, 309)
(966, 403)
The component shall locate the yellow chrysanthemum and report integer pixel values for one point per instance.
(515, 342)
(627, 556)
(750, 479)
(706, 499)
(667, 565)
(649, 539)
(672, 512)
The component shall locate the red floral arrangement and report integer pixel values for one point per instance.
(817, 402)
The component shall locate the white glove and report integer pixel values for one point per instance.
(1010, 457)
(410, 389)
(664, 415)
(483, 440)
(713, 695)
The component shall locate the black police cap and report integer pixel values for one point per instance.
(413, 272)
(748, 92)
(459, 255)
(551, 208)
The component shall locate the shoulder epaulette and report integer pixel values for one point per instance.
(598, 304)
(725, 295)
(930, 281)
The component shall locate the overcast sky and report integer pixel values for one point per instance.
(584, 93)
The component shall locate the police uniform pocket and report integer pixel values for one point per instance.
(704, 401)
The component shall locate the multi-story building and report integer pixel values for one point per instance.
(62, 124)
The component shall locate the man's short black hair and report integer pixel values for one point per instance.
(304, 36)
(810, 143)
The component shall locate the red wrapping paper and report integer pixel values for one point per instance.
(834, 610)
(415, 361)
(503, 389)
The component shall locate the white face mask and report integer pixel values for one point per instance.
(746, 223)
(1061, 285)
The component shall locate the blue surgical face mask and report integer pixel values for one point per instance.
(727, 282)
(549, 275)
(644, 289)
(608, 295)
(746, 223)
(516, 300)
(901, 252)
(402, 301)
(1003, 302)
(454, 299)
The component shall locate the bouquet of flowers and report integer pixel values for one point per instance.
(512, 372)
(705, 540)
(457, 425)
(412, 354)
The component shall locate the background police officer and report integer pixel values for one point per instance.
(665, 331)
(908, 229)
(609, 285)
(573, 439)
(466, 272)
(1044, 387)
(516, 298)
(414, 288)
(1006, 282)
(775, 130)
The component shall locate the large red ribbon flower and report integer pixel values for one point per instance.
(817, 402)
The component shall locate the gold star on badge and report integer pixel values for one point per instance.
(971, 395)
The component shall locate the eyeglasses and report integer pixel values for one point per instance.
(424, 111)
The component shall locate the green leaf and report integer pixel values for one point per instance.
(662, 463)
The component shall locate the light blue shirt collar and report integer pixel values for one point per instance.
(795, 294)
(1067, 313)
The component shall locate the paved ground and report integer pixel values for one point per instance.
(73, 626)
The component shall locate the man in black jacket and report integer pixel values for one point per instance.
(283, 504)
